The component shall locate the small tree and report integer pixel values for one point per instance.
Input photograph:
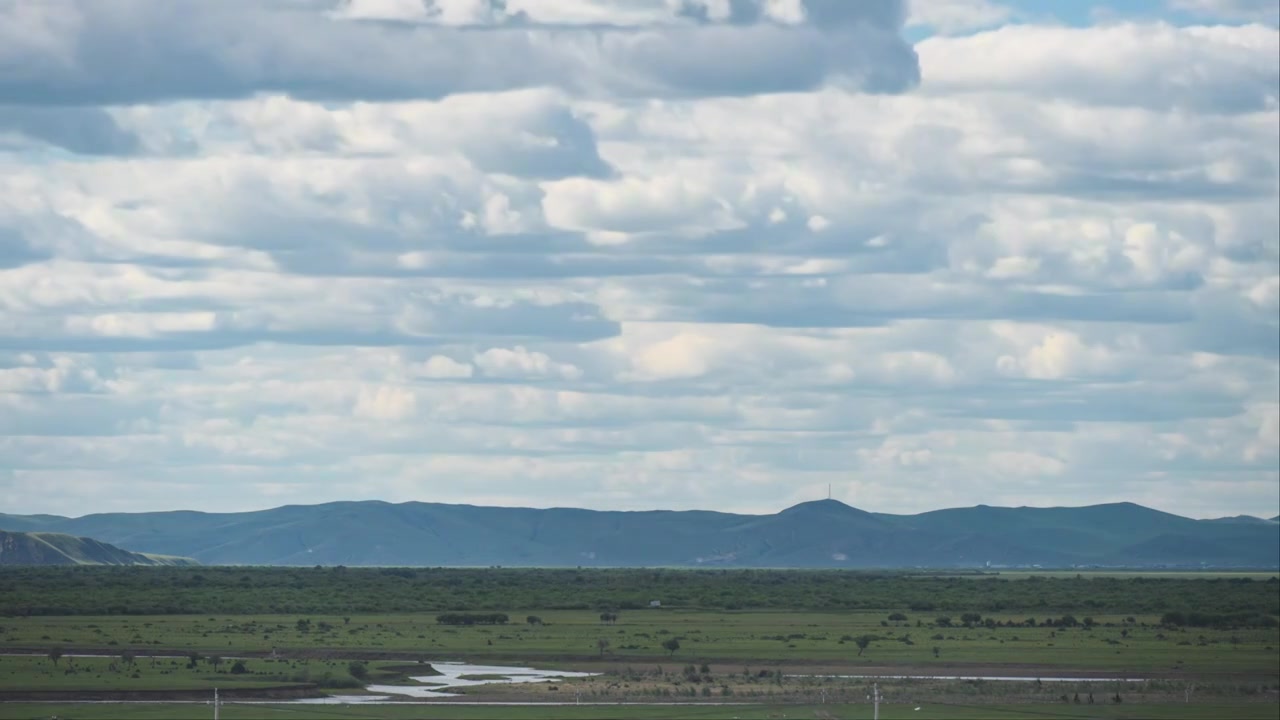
(603, 644)
(215, 661)
(55, 654)
(937, 651)
(863, 641)
(238, 668)
(898, 617)
(128, 656)
(358, 669)
(533, 620)
(671, 645)
(193, 658)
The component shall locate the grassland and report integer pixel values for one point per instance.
(1219, 634)
(1113, 643)
(950, 711)
(146, 674)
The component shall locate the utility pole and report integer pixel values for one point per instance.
(875, 698)
(215, 704)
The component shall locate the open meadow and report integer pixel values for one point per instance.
(1166, 644)
(862, 711)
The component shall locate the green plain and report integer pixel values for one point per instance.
(750, 637)
(33, 711)
(773, 637)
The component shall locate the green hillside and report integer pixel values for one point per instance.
(44, 548)
(817, 534)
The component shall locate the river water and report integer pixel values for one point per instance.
(453, 675)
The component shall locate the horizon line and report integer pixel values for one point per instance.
(649, 510)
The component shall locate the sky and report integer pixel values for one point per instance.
(635, 254)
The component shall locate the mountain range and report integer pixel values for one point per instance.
(39, 548)
(825, 533)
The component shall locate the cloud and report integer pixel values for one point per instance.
(528, 133)
(78, 52)
(385, 403)
(88, 131)
(445, 368)
(949, 17)
(92, 312)
(583, 253)
(520, 362)
(15, 250)
(1128, 64)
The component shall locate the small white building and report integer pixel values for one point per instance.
(655, 603)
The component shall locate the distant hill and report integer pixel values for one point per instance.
(41, 548)
(1242, 519)
(824, 533)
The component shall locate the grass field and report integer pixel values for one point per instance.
(147, 674)
(1254, 575)
(637, 712)
(763, 640)
(1113, 643)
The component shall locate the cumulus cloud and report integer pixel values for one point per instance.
(78, 52)
(444, 368)
(636, 254)
(956, 16)
(532, 133)
(520, 362)
(1127, 63)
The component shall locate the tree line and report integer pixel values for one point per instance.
(472, 619)
(608, 592)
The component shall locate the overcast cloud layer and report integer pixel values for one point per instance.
(638, 253)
